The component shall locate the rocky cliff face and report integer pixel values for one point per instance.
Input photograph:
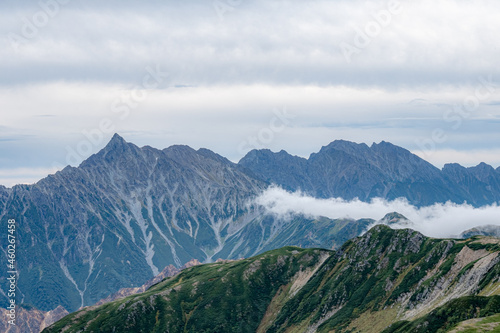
(384, 277)
(31, 320)
(120, 217)
(389, 275)
(349, 170)
(167, 272)
(127, 212)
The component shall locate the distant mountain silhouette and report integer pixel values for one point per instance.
(350, 170)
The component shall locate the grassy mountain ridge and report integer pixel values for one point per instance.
(447, 317)
(230, 297)
(385, 276)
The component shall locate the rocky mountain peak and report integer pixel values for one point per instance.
(180, 149)
(258, 153)
(393, 218)
(345, 144)
(116, 149)
(453, 167)
(482, 168)
(351, 170)
(348, 147)
(212, 155)
(484, 230)
(116, 142)
(384, 145)
(152, 208)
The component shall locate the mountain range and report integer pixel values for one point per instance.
(126, 212)
(385, 281)
(349, 170)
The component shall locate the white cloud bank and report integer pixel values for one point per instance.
(438, 220)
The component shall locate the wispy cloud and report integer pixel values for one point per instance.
(439, 220)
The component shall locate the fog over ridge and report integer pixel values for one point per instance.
(439, 220)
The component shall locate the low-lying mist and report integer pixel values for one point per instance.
(438, 220)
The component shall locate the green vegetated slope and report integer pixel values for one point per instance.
(230, 297)
(459, 310)
(385, 277)
(488, 324)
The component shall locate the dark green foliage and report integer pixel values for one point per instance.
(426, 258)
(466, 268)
(492, 276)
(449, 315)
(230, 297)
(488, 247)
(367, 274)
(354, 279)
(358, 278)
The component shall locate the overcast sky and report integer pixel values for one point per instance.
(233, 75)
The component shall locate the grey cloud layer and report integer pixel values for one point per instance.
(230, 65)
(297, 42)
